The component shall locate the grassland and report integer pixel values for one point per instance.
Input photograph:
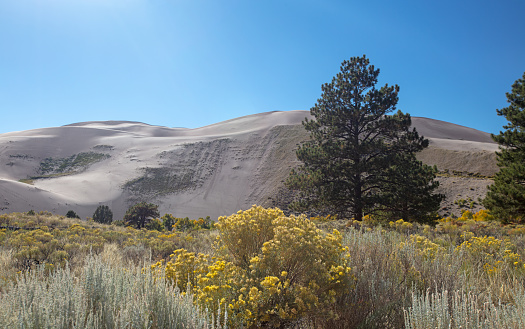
(467, 272)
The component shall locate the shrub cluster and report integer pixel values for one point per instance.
(268, 269)
(39, 239)
(100, 297)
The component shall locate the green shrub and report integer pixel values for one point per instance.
(168, 220)
(155, 224)
(72, 214)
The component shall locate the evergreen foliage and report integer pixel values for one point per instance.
(409, 191)
(168, 220)
(155, 224)
(349, 163)
(506, 197)
(139, 215)
(103, 215)
(72, 214)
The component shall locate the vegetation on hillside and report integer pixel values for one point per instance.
(72, 164)
(261, 268)
(183, 168)
(57, 167)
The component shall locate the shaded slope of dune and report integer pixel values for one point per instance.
(213, 170)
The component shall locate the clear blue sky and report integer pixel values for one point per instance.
(190, 63)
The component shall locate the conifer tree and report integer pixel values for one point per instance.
(72, 214)
(506, 197)
(408, 191)
(141, 213)
(347, 163)
(103, 215)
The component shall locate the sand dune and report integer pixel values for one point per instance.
(213, 170)
(431, 128)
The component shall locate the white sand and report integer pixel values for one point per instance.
(247, 167)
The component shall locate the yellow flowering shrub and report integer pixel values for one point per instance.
(35, 246)
(303, 269)
(185, 267)
(63, 240)
(483, 215)
(426, 248)
(517, 230)
(271, 269)
(370, 220)
(481, 222)
(2, 235)
(492, 252)
(466, 215)
(243, 234)
(186, 224)
(401, 226)
(323, 219)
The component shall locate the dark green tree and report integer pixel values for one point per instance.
(155, 224)
(103, 215)
(141, 213)
(408, 192)
(353, 144)
(168, 220)
(72, 214)
(506, 197)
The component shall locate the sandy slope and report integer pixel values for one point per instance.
(213, 170)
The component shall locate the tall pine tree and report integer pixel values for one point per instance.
(506, 197)
(347, 164)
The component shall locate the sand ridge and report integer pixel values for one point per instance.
(213, 170)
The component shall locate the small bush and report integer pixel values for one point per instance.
(464, 310)
(155, 224)
(101, 297)
(168, 220)
(72, 214)
(141, 213)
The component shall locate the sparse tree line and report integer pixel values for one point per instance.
(146, 215)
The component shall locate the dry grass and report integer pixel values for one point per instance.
(406, 275)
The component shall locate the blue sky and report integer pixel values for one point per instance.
(190, 63)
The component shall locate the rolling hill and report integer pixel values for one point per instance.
(213, 170)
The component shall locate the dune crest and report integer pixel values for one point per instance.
(213, 170)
